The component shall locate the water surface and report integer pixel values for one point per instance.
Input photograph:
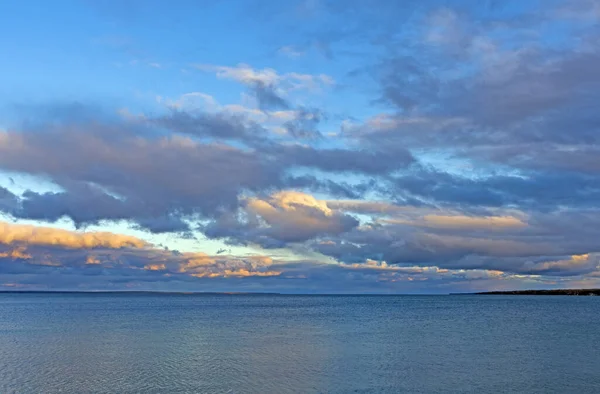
(144, 343)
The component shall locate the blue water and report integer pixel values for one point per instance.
(74, 343)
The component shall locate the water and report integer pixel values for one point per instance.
(75, 343)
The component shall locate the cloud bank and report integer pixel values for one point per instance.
(414, 147)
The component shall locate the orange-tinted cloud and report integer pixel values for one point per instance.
(239, 273)
(461, 221)
(90, 260)
(296, 216)
(17, 253)
(201, 265)
(573, 263)
(47, 236)
(155, 267)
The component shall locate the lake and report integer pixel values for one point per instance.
(168, 343)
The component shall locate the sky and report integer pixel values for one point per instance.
(303, 146)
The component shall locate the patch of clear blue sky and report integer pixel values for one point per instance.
(85, 50)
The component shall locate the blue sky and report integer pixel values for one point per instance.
(312, 146)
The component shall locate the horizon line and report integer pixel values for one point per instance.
(491, 292)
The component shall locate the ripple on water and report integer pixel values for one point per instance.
(102, 343)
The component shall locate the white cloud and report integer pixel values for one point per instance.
(247, 75)
(290, 51)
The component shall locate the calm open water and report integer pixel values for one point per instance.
(102, 343)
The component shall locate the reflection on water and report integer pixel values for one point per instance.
(100, 343)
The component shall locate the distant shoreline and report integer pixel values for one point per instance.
(569, 292)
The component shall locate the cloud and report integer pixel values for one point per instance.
(370, 207)
(586, 10)
(494, 91)
(198, 114)
(290, 51)
(461, 221)
(304, 124)
(536, 246)
(268, 97)
(404, 245)
(535, 190)
(150, 268)
(36, 264)
(113, 174)
(92, 260)
(371, 162)
(8, 201)
(52, 247)
(285, 217)
(118, 171)
(222, 126)
(574, 265)
(245, 74)
(455, 149)
(427, 216)
(16, 254)
(46, 236)
(445, 28)
(268, 86)
(239, 273)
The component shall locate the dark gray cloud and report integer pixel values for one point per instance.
(327, 186)
(371, 162)
(305, 124)
(113, 175)
(217, 126)
(8, 201)
(553, 244)
(535, 190)
(494, 91)
(267, 96)
(117, 171)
